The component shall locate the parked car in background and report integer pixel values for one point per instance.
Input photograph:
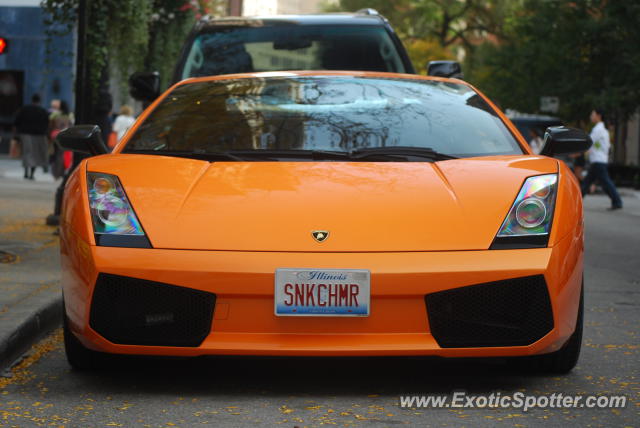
(362, 41)
(527, 122)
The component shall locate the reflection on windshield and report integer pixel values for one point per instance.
(323, 113)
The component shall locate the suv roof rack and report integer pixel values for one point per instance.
(367, 11)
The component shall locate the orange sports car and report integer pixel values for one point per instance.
(323, 214)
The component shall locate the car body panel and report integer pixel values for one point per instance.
(213, 206)
(257, 227)
(244, 322)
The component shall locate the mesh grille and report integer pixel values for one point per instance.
(513, 312)
(130, 311)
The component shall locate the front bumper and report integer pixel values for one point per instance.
(243, 283)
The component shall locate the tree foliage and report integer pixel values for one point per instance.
(421, 51)
(441, 29)
(117, 31)
(583, 51)
(129, 34)
(169, 23)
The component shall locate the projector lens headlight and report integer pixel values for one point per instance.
(532, 211)
(111, 212)
(103, 185)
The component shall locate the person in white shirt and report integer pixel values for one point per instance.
(536, 142)
(124, 121)
(599, 157)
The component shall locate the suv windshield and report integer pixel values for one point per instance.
(330, 114)
(230, 50)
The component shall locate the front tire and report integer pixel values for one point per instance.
(78, 356)
(565, 359)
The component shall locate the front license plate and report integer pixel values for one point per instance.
(322, 292)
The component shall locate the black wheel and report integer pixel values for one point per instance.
(78, 356)
(564, 359)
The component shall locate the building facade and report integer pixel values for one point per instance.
(32, 62)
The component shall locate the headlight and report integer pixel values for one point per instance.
(531, 213)
(114, 222)
(528, 223)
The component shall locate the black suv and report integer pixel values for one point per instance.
(528, 122)
(361, 41)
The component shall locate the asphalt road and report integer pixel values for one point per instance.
(229, 392)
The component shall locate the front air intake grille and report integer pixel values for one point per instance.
(130, 311)
(513, 312)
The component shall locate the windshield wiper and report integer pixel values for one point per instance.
(209, 156)
(248, 155)
(386, 153)
(294, 153)
(404, 151)
(392, 153)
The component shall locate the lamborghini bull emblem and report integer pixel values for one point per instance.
(320, 235)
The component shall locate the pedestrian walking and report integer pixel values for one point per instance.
(59, 120)
(32, 124)
(599, 157)
(124, 121)
(54, 106)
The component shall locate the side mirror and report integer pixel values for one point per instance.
(445, 69)
(560, 140)
(83, 139)
(144, 86)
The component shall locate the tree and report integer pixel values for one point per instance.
(583, 51)
(455, 26)
(131, 35)
(169, 23)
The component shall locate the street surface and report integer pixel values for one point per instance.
(29, 261)
(298, 392)
(24, 204)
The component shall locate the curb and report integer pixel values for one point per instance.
(28, 326)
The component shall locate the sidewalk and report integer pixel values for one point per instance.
(12, 169)
(30, 302)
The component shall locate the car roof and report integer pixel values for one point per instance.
(535, 119)
(208, 23)
(531, 118)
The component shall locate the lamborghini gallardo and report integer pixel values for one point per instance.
(323, 214)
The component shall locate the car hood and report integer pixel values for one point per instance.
(364, 206)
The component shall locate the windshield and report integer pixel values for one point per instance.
(328, 113)
(313, 47)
